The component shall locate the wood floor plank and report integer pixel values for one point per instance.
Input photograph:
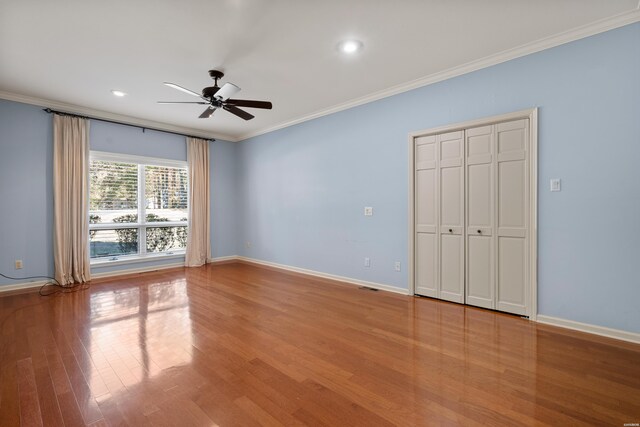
(111, 413)
(49, 406)
(81, 390)
(221, 409)
(29, 406)
(51, 415)
(242, 345)
(71, 414)
(9, 399)
(257, 413)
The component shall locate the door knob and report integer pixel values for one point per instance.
(451, 230)
(479, 231)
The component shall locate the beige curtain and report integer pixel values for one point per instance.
(70, 199)
(198, 241)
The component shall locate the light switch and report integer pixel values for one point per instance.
(555, 184)
(368, 211)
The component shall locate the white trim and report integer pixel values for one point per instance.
(590, 329)
(99, 114)
(23, 285)
(104, 262)
(135, 270)
(138, 160)
(411, 286)
(120, 225)
(222, 259)
(533, 215)
(348, 280)
(532, 115)
(488, 61)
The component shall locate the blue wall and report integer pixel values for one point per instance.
(304, 187)
(26, 190)
(115, 138)
(26, 213)
(224, 199)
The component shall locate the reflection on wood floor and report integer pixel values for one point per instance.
(242, 345)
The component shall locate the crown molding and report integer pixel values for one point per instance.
(578, 33)
(99, 114)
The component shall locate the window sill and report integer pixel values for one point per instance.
(136, 259)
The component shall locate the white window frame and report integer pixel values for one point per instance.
(142, 224)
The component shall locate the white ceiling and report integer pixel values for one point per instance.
(75, 51)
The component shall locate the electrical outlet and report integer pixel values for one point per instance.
(396, 266)
(367, 262)
(368, 211)
(18, 264)
(554, 184)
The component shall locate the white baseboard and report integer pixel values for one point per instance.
(135, 270)
(591, 329)
(22, 286)
(348, 280)
(222, 259)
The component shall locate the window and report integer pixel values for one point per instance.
(137, 206)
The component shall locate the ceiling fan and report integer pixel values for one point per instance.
(219, 97)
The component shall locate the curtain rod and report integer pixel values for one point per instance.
(62, 113)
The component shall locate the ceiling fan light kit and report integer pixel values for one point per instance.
(220, 97)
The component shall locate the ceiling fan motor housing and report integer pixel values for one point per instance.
(208, 92)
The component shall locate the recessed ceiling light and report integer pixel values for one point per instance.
(350, 46)
(118, 93)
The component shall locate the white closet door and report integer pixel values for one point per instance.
(472, 215)
(426, 201)
(451, 218)
(480, 206)
(512, 216)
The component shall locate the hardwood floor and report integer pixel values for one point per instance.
(242, 345)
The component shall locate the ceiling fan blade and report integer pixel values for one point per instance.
(238, 112)
(183, 102)
(207, 113)
(180, 88)
(227, 91)
(249, 103)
